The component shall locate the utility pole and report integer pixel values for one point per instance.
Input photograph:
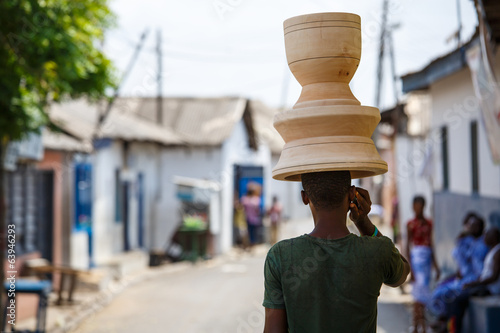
(380, 67)
(459, 31)
(159, 99)
(390, 41)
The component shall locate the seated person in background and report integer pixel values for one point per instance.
(469, 253)
(487, 284)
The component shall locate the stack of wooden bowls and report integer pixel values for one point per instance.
(327, 129)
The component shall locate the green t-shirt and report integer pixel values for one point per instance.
(330, 285)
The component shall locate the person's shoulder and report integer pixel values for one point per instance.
(384, 240)
(287, 243)
(282, 247)
(381, 245)
(411, 222)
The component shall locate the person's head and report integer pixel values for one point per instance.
(275, 199)
(418, 205)
(474, 224)
(326, 191)
(492, 237)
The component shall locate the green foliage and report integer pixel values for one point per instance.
(49, 49)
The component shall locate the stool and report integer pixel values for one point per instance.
(23, 286)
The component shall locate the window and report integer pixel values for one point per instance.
(83, 196)
(118, 197)
(444, 156)
(29, 207)
(474, 156)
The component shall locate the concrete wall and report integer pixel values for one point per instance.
(449, 212)
(289, 196)
(145, 158)
(235, 151)
(410, 160)
(199, 162)
(107, 234)
(455, 106)
(54, 160)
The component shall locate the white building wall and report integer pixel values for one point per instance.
(489, 173)
(455, 105)
(288, 194)
(106, 233)
(196, 162)
(79, 250)
(410, 160)
(235, 151)
(145, 158)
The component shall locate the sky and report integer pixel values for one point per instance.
(218, 48)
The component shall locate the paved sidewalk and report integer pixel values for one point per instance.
(66, 317)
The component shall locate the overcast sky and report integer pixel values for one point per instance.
(235, 47)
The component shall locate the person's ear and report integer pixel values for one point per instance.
(352, 193)
(305, 198)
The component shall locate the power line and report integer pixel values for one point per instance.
(207, 57)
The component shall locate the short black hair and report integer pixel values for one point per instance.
(326, 189)
(477, 217)
(420, 199)
(493, 232)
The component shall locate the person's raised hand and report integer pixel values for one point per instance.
(360, 210)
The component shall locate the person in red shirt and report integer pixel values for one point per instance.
(420, 250)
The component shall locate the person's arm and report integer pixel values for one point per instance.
(409, 241)
(492, 278)
(434, 261)
(359, 215)
(404, 276)
(275, 321)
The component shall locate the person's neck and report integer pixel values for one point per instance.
(330, 225)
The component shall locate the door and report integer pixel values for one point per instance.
(243, 175)
(44, 212)
(83, 202)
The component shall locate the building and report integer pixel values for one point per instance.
(451, 151)
(116, 186)
(127, 198)
(229, 141)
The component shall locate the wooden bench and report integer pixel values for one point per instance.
(42, 268)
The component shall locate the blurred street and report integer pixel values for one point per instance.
(221, 295)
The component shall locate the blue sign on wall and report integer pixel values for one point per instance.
(83, 196)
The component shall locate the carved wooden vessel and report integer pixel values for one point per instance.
(327, 129)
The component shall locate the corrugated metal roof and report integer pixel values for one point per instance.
(61, 141)
(197, 121)
(192, 121)
(262, 117)
(438, 68)
(79, 119)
